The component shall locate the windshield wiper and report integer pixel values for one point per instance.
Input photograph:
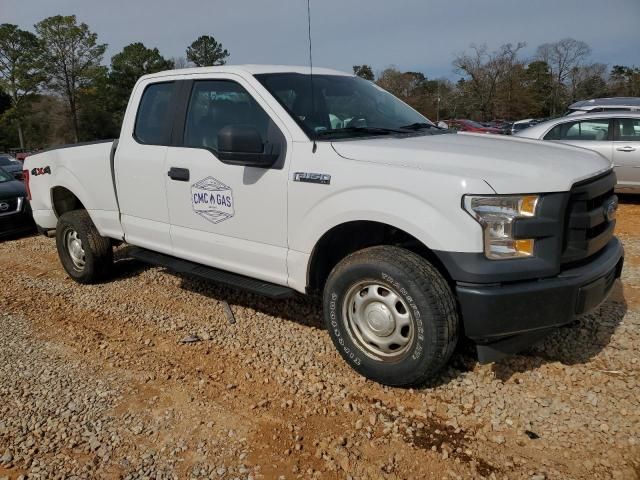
(418, 126)
(369, 130)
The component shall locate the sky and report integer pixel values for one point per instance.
(416, 35)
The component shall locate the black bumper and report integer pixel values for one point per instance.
(505, 318)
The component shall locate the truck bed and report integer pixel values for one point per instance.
(84, 169)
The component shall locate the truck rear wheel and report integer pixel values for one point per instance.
(85, 255)
(391, 315)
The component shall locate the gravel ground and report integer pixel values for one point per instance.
(146, 377)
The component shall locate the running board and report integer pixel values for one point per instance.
(178, 265)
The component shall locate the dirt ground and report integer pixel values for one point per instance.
(103, 382)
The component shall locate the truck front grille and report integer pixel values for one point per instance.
(589, 223)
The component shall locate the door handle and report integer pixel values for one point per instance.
(626, 149)
(179, 174)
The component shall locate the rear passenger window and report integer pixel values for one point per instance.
(216, 104)
(597, 130)
(153, 122)
(628, 130)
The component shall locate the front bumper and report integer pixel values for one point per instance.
(505, 318)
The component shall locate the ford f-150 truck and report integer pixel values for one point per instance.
(281, 180)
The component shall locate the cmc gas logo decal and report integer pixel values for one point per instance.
(212, 200)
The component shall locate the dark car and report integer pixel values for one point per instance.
(15, 211)
(11, 165)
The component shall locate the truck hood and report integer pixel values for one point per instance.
(507, 164)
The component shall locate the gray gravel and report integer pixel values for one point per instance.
(51, 407)
(101, 382)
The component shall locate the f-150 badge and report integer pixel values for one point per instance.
(212, 200)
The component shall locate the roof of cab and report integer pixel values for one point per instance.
(250, 69)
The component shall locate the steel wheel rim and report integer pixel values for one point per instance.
(378, 321)
(75, 249)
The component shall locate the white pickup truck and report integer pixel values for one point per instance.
(278, 181)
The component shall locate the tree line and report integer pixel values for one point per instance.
(502, 84)
(54, 87)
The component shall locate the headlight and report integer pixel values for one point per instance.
(496, 214)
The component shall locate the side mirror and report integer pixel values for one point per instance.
(242, 145)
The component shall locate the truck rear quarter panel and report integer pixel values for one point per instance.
(86, 172)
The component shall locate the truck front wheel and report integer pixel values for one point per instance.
(391, 315)
(85, 255)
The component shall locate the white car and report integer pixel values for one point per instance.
(248, 176)
(614, 135)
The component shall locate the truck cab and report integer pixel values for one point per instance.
(282, 180)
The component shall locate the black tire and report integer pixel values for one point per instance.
(420, 287)
(98, 252)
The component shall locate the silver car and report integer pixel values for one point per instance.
(614, 135)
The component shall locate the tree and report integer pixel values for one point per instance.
(72, 58)
(20, 70)
(537, 81)
(364, 71)
(432, 98)
(587, 81)
(624, 81)
(512, 99)
(483, 71)
(404, 85)
(562, 57)
(134, 61)
(206, 51)
(100, 108)
(180, 62)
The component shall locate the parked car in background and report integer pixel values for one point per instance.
(521, 125)
(11, 165)
(15, 212)
(464, 125)
(614, 135)
(597, 105)
(506, 128)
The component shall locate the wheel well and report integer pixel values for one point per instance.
(63, 201)
(347, 238)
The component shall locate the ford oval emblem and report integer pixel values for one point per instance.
(4, 207)
(610, 209)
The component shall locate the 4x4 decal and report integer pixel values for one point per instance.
(41, 171)
(212, 200)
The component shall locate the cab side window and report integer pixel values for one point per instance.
(597, 130)
(154, 121)
(628, 130)
(215, 104)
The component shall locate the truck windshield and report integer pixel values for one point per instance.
(342, 106)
